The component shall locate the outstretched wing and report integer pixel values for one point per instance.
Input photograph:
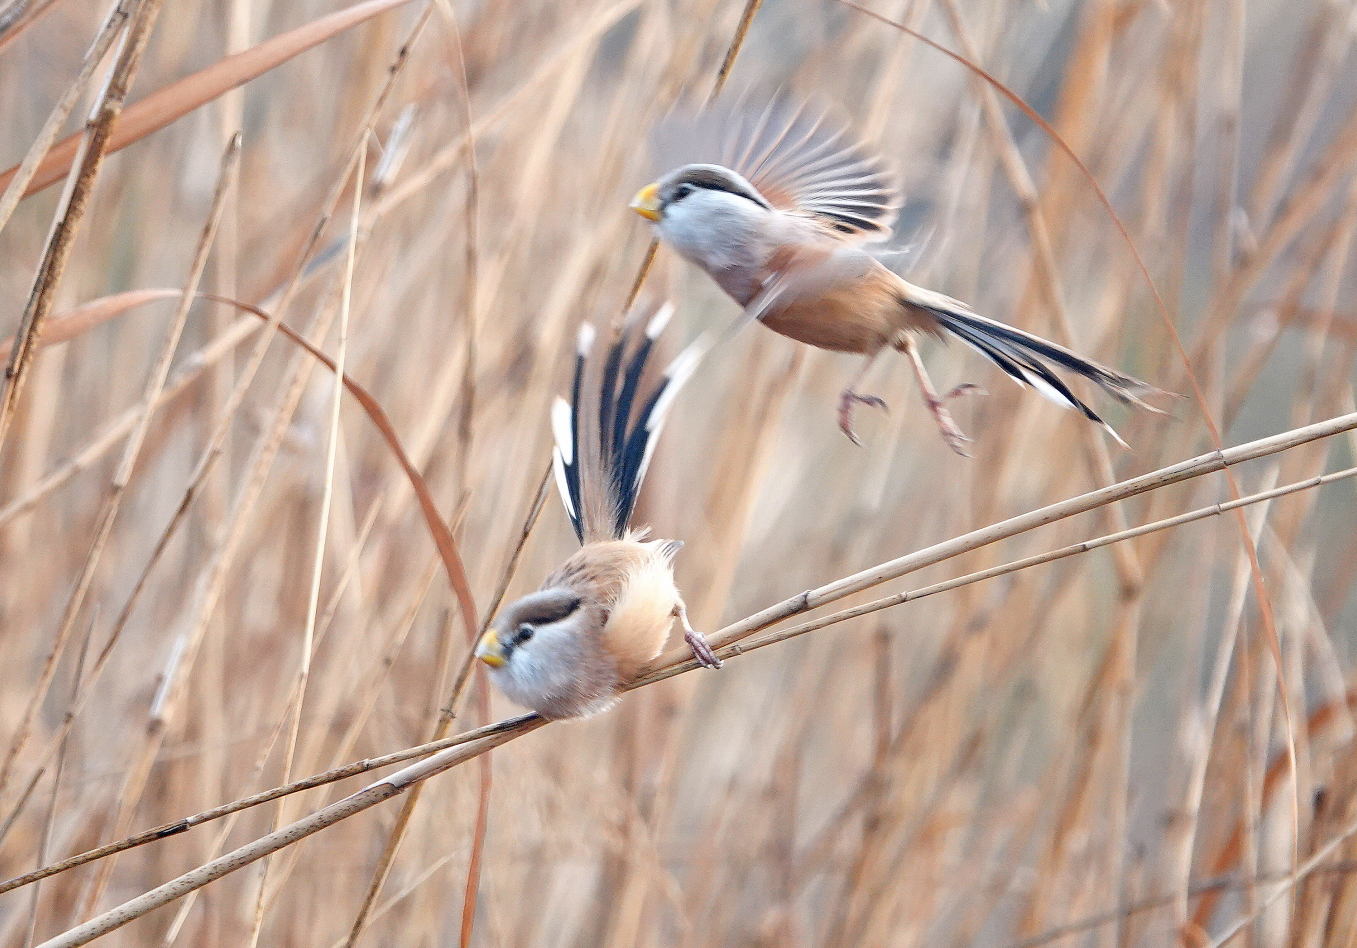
(797, 155)
(606, 435)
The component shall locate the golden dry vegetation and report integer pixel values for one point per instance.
(1088, 751)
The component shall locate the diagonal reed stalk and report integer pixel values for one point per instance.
(481, 741)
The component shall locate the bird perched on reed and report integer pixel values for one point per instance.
(781, 211)
(568, 648)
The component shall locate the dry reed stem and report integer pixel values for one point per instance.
(357, 768)
(1020, 179)
(49, 822)
(13, 193)
(438, 531)
(17, 15)
(176, 926)
(327, 494)
(171, 691)
(114, 431)
(741, 807)
(1203, 888)
(1311, 79)
(464, 452)
(485, 738)
(441, 161)
(87, 150)
(1184, 470)
(1096, 452)
(1212, 706)
(447, 714)
(1307, 199)
(173, 102)
(1287, 886)
(445, 719)
(1074, 549)
(155, 384)
(1260, 590)
(350, 805)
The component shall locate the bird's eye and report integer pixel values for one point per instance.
(525, 632)
(682, 191)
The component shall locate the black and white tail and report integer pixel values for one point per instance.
(1025, 357)
(605, 435)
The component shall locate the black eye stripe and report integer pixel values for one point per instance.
(710, 179)
(553, 612)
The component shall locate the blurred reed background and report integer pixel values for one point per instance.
(1091, 752)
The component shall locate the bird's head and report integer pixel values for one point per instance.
(695, 189)
(709, 214)
(543, 653)
(532, 626)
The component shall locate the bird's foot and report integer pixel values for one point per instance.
(847, 400)
(696, 640)
(952, 434)
(701, 650)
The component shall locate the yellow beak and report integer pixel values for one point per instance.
(647, 202)
(489, 650)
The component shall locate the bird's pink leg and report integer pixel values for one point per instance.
(696, 640)
(938, 405)
(850, 397)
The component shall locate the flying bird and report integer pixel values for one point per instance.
(569, 648)
(782, 213)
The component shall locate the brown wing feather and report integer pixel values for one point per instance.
(798, 156)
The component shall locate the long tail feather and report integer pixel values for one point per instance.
(640, 446)
(1024, 357)
(565, 459)
(599, 471)
(1123, 388)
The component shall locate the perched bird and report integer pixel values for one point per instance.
(568, 648)
(783, 218)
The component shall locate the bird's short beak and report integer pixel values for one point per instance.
(647, 202)
(489, 650)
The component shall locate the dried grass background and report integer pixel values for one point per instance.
(1090, 752)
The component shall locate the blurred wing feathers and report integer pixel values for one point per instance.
(797, 156)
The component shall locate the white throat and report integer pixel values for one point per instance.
(724, 234)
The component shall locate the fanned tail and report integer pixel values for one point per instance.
(1025, 357)
(606, 434)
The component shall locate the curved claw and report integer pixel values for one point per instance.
(847, 400)
(956, 440)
